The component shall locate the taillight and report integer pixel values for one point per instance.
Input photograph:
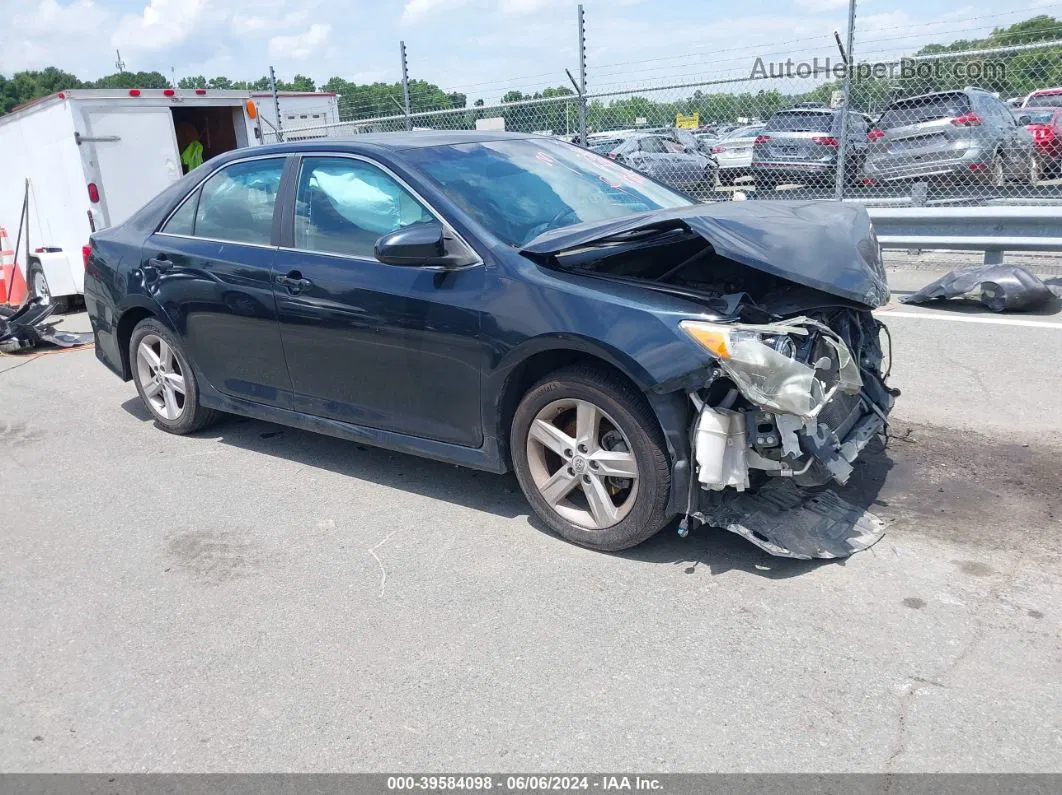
(970, 119)
(168, 92)
(761, 139)
(826, 140)
(875, 134)
(134, 92)
(94, 193)
(200, 91)
(1043, 134)
(85, 252)
(717, 150)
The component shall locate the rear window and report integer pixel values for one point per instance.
(746, 132)
(1045, 100)
(920, 109)
(1041, 116)
(604, 147)
(800, 121)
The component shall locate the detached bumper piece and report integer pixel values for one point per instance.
(24, 328)
(786, 520)
(1000, 288)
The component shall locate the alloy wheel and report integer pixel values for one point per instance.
(161, 378)
(582, 463)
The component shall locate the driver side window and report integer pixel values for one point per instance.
(343, 206)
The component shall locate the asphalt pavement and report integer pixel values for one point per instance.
(256, 598)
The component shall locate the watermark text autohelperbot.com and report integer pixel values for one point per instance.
(904, 69)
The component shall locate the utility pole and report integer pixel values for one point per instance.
(405, 84)
(846, 104)
(582, 76)
(119, 63)
(276, 103)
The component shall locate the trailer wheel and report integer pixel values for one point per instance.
(38, 287)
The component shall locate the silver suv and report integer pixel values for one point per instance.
(966, 134)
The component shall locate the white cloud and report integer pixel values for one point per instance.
(60, 20)
(161, 25)
(255, 24)
(300, 45)
(416, 10)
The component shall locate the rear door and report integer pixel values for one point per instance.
(136, 156)
(210, 267)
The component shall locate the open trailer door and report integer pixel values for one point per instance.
(136, 156)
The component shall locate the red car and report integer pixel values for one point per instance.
(1045, 124)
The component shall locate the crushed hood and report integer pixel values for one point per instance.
(825, 245)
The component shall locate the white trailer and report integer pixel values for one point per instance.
(93, 157)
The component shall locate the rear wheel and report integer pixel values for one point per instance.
(590, 458)
(164, 379)
(997, 174)
(38, 287)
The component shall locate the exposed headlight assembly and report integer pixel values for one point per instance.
(760, 361)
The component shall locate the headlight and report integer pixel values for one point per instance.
(760, 360)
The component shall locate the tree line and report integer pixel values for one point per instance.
(1016, 74)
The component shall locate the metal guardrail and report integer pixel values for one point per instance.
(992, 230)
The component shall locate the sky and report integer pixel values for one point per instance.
(479, 47)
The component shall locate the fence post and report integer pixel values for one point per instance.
(276, 104)
(582, 77)
(842, 150)
(405, 86)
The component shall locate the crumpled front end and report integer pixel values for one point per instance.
(793, 404)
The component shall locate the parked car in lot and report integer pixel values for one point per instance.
(1045, 126)
(733, 153)
(502, 301)
(1043, 98)
(801, 145)
(665, 160)
(967, 134)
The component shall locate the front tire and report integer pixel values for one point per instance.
(38, 288)
(590, 458)
(164, 379)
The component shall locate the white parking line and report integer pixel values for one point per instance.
(991, 321)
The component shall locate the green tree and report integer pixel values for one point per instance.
(192, 82)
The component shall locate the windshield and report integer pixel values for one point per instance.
(520, 189)
(916, 111)
(800, 121)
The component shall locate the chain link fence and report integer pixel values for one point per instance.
(956, 125)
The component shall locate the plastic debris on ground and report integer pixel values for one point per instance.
(23, 329)
(1000, 288)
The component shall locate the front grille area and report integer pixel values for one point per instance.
(841, 413)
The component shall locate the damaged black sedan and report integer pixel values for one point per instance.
(508, 302)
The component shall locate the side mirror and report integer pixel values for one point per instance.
(423, 244)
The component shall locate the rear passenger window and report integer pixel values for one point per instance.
(236, 204)
(343, 206)
(182, 222)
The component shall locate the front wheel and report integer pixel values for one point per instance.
(39, 288)
(164, 379)
(591, 460)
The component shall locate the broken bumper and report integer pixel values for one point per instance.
(802, 421)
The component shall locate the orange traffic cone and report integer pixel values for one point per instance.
(12, 282)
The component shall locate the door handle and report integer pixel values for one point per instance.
(161, 263)
(293, 282)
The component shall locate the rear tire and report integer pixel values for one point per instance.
(592, 422)
(38, 287)
(164, 379)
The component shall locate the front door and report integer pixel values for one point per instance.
(210, 268)
(384, 346)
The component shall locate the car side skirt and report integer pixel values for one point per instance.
(486, 458)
